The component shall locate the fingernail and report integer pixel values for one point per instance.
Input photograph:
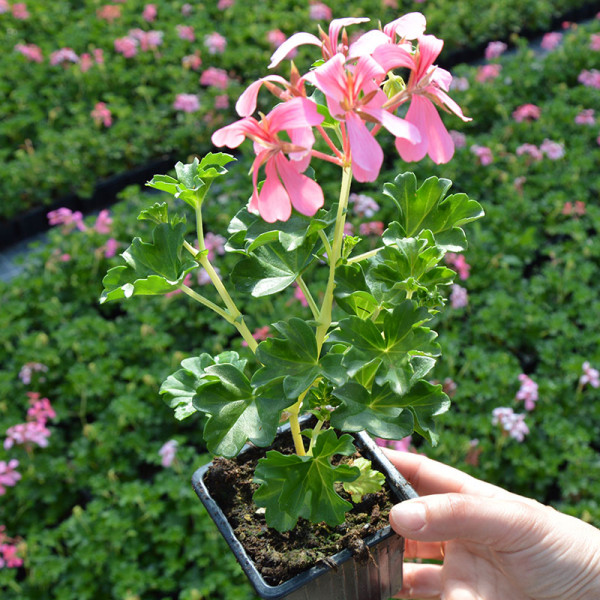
(408, 516)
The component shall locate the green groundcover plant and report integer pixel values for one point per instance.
(360, 358)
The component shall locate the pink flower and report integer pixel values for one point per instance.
(214, 243)
(40, 410)
(364, 206)
(127, 46)
(551, 40)
(260, 334)
(186, 32)
(31, 52)
(167, 453)
(459, 139)
(225, 4)
(4, 6)
(371, 228)
(586, 117)
(19, 11)
(204, 278)
(483, 153)
(595, 42)
(32, 432)
(150, 12)
(276, 37)
(427, 87)
(63, 56)
(319, 11)
(148, 40)
(590, 78)
(192, 61)
(328, 42)
(86, 62)
(590, 376)
(109, 12)
(460, 83)
(487, 72)
(28, 369)
(577, 209)
(494, 50)
(459, 297)
(65, 216)
(553, 150)
(9, 556)
(354, 97)
(458, 262)
(512, 423)
(528, 392)
(8, 474)
(527, 112)
(101, 114)
(215, 43)
(299, 295)
(187, 10)
(110, 248)
(215, 77)
(222, 102)
(98, 56)
(188, 103)
(519, 182)
(402, 445)
(103, 222)
(348, 228)
(284, 186)
(531, 150)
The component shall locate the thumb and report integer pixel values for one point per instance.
(495, 522)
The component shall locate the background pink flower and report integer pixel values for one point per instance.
(188, 103)
(101, 114)
(511, 422)
(586, 117)
(109, 12)
(528, 392)
(192, 61)
(526, 112)
(551, 40)
(186, 32)
(150, 12)
(8, 474)
(215, 77)
(459, 297)
(215, 43)
(319, 11)
(590, 376)
(168, 452)
(487, 72)
(483, 153)
(31, 52)
(494, 50)
(19, 11)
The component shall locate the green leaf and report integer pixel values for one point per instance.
(237, 415)
(294, 359)
(292, 486)
(213, 165)
(164, 183)
(400, 338)
(369, 482)
(272, 268)
(427, 208)
(158, 213)
(351, 292)
(152, 268)
(183, 385)
(381, 412)
(426, 401)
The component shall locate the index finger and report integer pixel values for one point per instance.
(428, 476)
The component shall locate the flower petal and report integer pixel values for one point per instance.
(368, 43)
(331, 78)
(367, 155)
(337, 24)
(429, 49)
(298, 39)
(397, 126)
(391, 56)
(246, 103)
(294, 113)
(273, 200)
(305, 194)
(233, 135)
(409, 26)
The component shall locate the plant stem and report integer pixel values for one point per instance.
(315, 435)
(311, 303)
(206, 302)
(365, 255)
(325, 314)
(294, 411)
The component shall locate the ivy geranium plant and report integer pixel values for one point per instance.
(359, 359)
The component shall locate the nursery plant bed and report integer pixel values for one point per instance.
(358, 560)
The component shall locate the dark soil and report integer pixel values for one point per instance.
(280, 556)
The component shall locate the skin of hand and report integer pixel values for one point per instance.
(495, 545)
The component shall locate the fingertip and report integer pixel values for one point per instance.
(408, 517)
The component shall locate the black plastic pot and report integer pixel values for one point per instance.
(344, 578)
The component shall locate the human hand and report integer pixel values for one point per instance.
(495, 545)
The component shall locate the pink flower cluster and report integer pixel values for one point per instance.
(86, 62)
(551, 40)
(186, 32)
(215, 43)
(512, 423)
(364, 206)
(586, 117)
(63, 56)
(28, 369)
(487, 72)
(494, 50)
(351, 79)
(109, 12)
(34, 430)
(31, 52)
(459, 298)
(168, 452)
(8, 474)
(595, 42)
(458, 262)
(188, 103)
(259, 334)
(484, 154)
(214, 243)
(590, 376)
(528, 392)
(576, 209)
(150, 12)
(101, 114)
(530, 150)
(371, 228)
(319, 11)
(215, 77)
(527, 112)
(590, 78)
(137, 38)
(8, 551)
(18, 9)
(67, 218)
(192, 61)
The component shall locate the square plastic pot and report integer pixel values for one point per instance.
(343, 578)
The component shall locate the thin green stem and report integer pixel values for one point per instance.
(325, 241)
(200, 227)
(364, 256)
(325, 314)
(206, 302)
(311, 303)
(294, 412)
(315, 434)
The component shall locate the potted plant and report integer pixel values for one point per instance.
(359, 360)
